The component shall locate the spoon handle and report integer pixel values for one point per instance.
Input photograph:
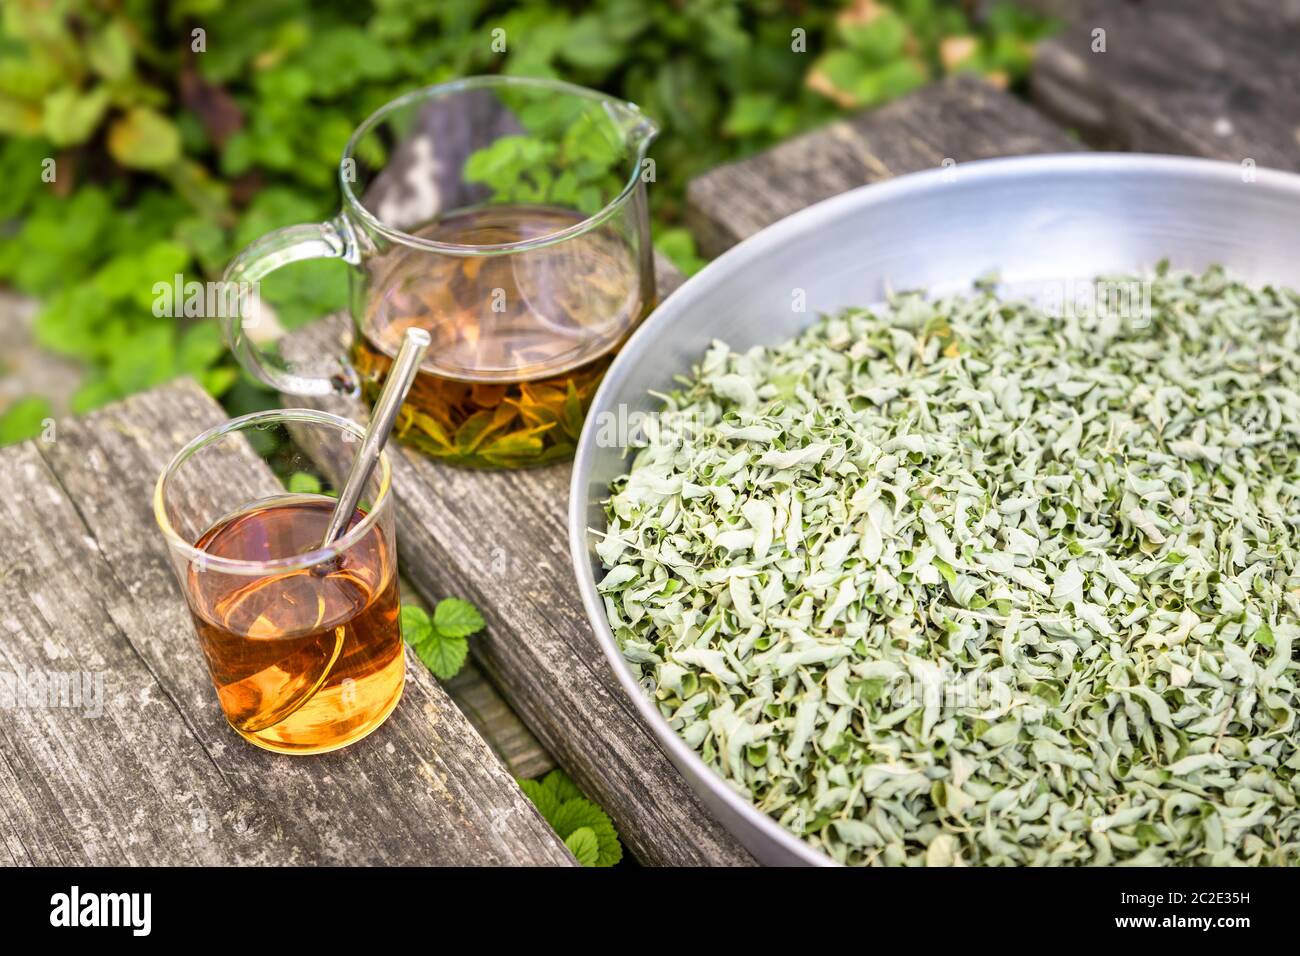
(400, 377)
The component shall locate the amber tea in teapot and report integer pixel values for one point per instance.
(519, 341)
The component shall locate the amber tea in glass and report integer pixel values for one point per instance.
(508, 217)
(302, 641)
(299, 658)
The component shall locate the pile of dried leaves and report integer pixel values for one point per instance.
(966, 582)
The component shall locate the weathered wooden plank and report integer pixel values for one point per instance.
(1215, 79)
(960, 119)
(118, 779)
(480, 701)
(507, 735)
(161, 778)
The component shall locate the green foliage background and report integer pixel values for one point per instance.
(168, 160)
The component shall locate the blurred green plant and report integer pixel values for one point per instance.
(142, 140)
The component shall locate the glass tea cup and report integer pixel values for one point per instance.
(508, 217)
(302, 641)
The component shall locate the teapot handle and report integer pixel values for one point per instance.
(326, 240)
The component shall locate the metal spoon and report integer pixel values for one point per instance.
(400, 377)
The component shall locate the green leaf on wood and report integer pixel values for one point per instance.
(569, 813)
(439, 641)
(457, 618)
(584, 845)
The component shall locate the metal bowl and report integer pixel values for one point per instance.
(1036, 221)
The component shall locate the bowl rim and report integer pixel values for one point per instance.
(685, 297)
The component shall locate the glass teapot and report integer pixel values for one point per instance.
(508, 217)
